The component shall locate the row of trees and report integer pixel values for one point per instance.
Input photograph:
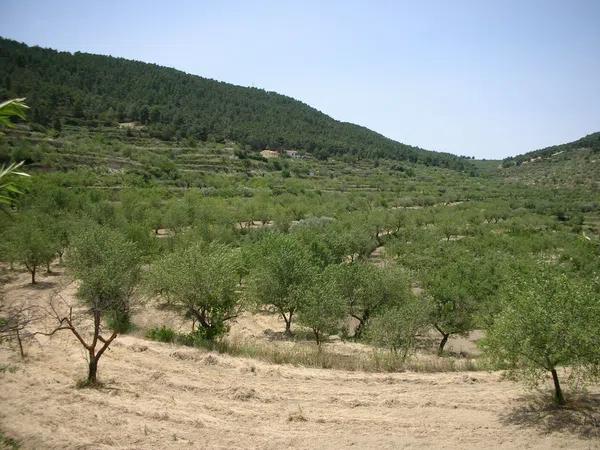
(543, 320)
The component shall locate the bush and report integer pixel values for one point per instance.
(119, 321)
(161, 334)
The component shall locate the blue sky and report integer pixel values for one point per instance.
(480, 78)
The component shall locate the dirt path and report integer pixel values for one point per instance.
(162, 396)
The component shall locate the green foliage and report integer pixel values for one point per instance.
(323, 308)
(10, 109)
(11, 184)
(11, 178)
(8, 442)
(591, 141)
(454, 304)
(201, 282)
(108, 268)
(161, 334)
(367, 289)
(547, 320)
(397, 326)
(282, 268)
(119, 321)
(30, 242)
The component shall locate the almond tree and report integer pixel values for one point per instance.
(323, 308)
(201, 282)
(107, 267)
(30, 242)
(281, 269)
(367, 289)
(548, 320)
(397, 327)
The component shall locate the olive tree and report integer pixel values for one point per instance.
(202, 282)
(107, 267)
(547, 321)
(282, 267)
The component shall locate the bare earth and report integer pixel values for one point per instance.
(161, 396)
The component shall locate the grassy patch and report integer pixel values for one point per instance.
(308, 355)
(84, 383)
(7, 443)
(7, 368)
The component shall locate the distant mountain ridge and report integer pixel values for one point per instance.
(589, 142)
(574, 165)
(93, 89)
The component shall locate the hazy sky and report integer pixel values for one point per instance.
(481, 78)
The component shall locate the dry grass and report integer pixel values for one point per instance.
(304, 354)
(161, 396)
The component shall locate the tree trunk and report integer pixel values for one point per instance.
(20, 344)
(558, 395)
(361, 324)
(33, 275)
(445, 337)
(92, 370)
(317, 339)
(288, 322)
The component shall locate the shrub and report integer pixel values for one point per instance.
(161, 334)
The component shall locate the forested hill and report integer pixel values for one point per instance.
(61, 87)
(591, 142)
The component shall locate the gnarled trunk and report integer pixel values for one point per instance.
(558, 395)
(443, 342)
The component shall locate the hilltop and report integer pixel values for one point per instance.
(591, 142)
(93, 90)
(572, 164)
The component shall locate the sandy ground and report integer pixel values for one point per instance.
(160, 396)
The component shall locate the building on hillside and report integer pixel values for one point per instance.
(269, 154)
(293, 154)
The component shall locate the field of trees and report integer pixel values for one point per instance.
(192, 247)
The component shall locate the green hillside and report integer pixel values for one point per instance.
(567, 165)
(591, 142)
(91, 90)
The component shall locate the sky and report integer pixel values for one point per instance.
(482, 78)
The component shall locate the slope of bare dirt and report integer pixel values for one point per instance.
(161, 396)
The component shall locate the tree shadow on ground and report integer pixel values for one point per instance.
(580, 416)
(39, 285)
(297, 336)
